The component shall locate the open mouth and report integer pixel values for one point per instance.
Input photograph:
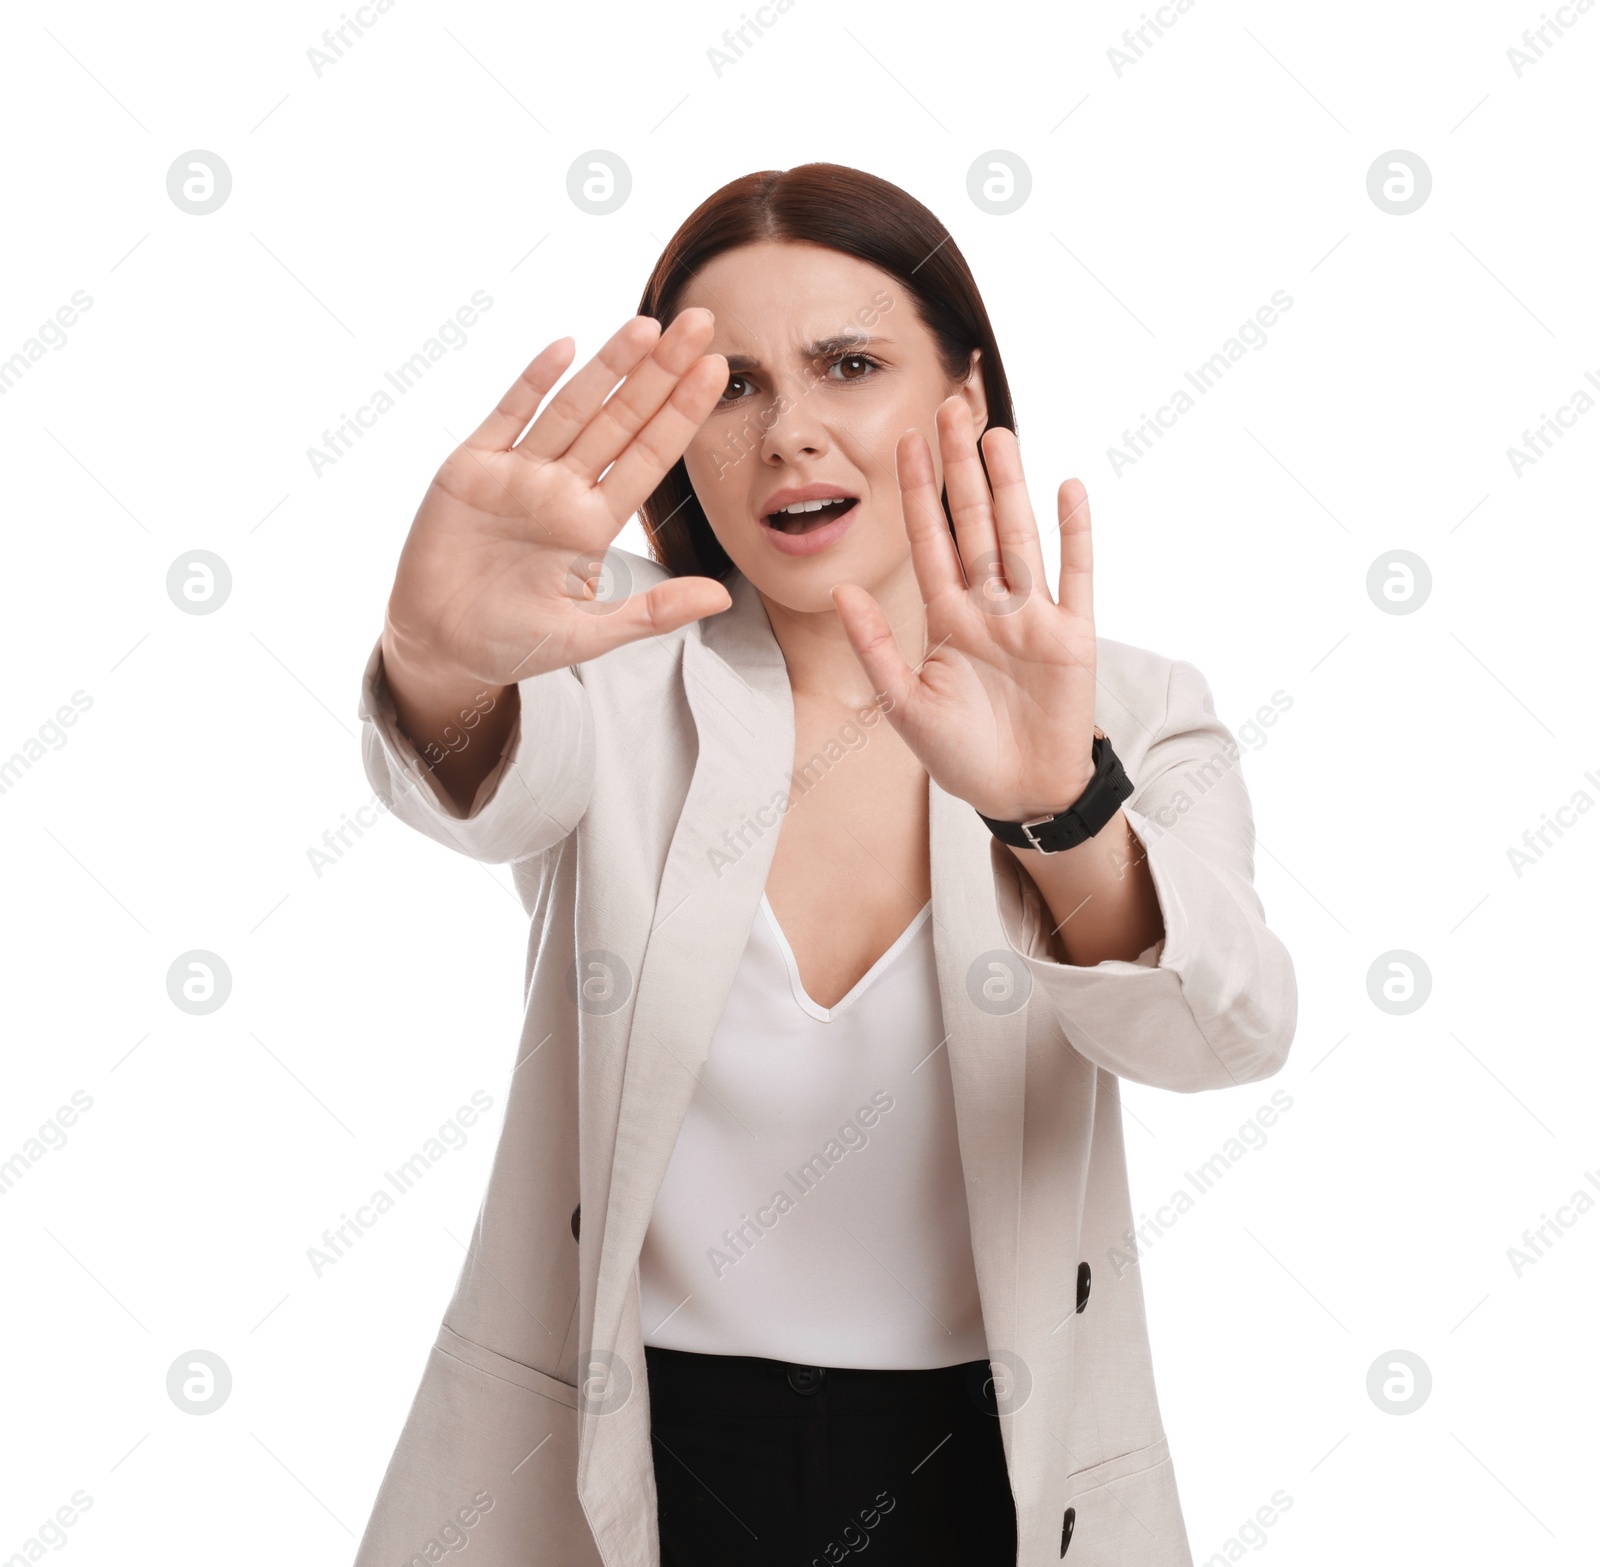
(805, 516)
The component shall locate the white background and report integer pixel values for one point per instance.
(369, 1002)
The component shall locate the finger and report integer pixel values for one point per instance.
(664, 608)
(575, 404)
(933, 551)
(868, 630)
(965, 484)
(1016, 531)
(653, 451)
(517, 407)
(647, 387)
(1075, 591)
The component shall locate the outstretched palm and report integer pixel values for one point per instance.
(1000, 711)
(495, 581)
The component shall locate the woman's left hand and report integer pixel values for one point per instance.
(1000, 711)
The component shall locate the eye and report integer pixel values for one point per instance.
(864, 366)
(866, 361)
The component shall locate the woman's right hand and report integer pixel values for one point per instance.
(494, 583)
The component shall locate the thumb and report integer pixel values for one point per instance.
(663, 609)
(874, 644)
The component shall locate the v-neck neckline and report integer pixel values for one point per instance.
(803, 998)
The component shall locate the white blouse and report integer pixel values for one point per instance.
(814, 1208)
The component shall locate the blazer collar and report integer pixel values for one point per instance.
(737, 686)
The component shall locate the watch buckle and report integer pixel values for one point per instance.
(1027, 832)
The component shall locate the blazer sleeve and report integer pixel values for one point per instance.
(1214, 1001)
(531, 799)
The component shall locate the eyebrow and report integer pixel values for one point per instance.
(822, 348)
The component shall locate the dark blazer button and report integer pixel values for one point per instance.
(806, 1379)
(1083, 1285)
(1068, 1519)
(579, 1209)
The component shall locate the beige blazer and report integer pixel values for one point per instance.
(637, 803)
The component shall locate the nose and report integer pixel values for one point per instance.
(792, 430)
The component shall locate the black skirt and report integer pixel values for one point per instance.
(760, 1463)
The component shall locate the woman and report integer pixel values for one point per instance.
(859, 871)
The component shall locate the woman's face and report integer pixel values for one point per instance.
(828, 365)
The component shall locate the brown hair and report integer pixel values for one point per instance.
(846, 210)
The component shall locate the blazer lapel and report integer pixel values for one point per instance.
(983, 995)
(737, 685)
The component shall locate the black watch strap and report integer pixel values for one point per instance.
(1081, 820)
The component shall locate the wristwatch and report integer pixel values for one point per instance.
(1081, 820)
